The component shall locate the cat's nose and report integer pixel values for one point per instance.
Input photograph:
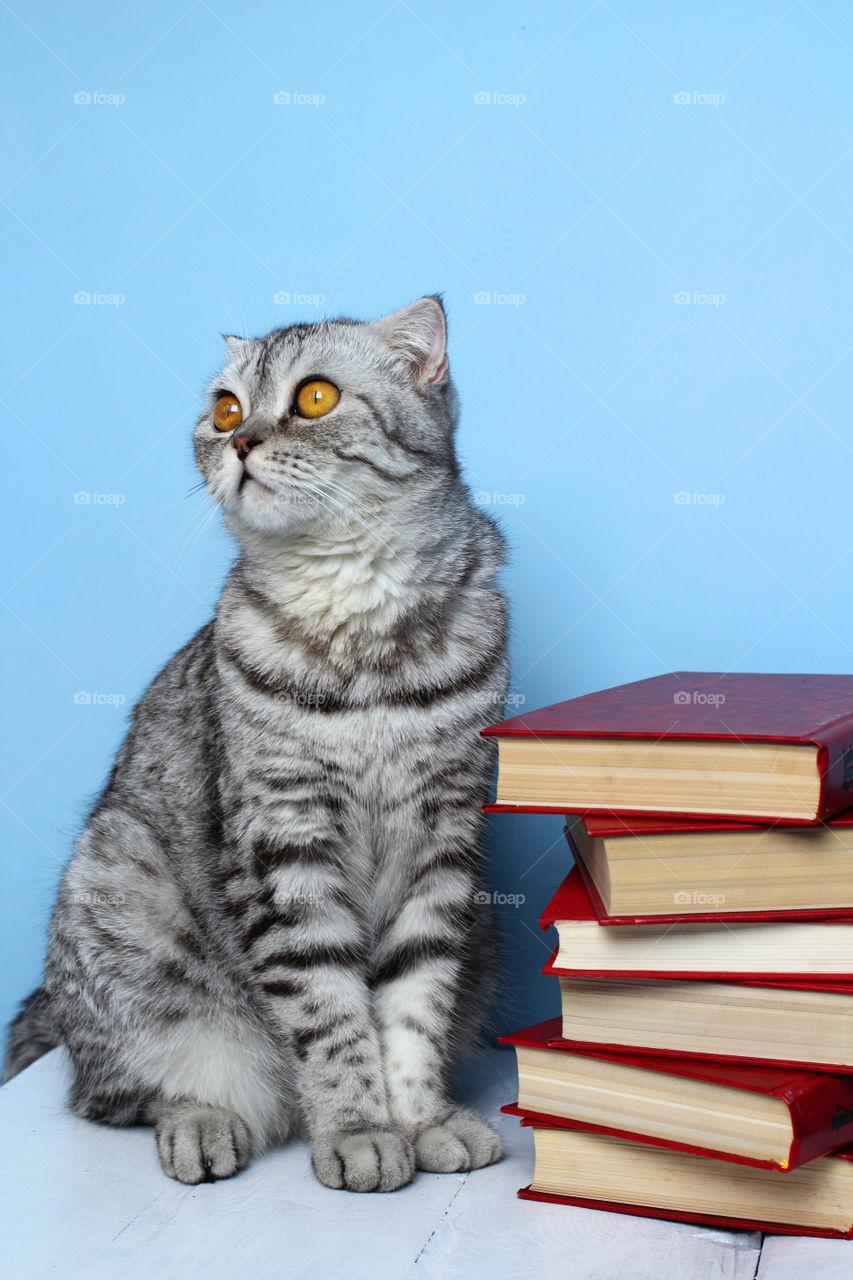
(244, 445)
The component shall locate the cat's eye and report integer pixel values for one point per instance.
(316, 398)
(227, 413)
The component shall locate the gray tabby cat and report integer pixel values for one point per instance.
(270, 923)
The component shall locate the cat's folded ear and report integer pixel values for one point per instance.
(236, 346)
(418, 334)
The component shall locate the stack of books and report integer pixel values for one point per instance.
(702, 1069)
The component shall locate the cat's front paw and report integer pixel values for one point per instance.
(463, 1141)
(201, 1144)
(375, 1160)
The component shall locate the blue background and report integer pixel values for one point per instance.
(674, 476)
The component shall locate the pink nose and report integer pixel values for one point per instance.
(244, 446)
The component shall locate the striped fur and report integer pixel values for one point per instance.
(271, 921)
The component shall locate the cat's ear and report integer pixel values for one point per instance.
(418, 333)
(236, 346)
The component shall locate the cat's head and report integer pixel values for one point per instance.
(317, 424)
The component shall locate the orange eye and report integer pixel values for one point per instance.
(227, 413)
(316, 398)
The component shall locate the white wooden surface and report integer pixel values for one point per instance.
(80, 1200)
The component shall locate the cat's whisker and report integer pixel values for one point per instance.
(195, 536)
(348, 513)
(334, 486)
(192, 518)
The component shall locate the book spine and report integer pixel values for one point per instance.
(835, 765)
(821, 1115)
(541, 1120)
(677, 1215)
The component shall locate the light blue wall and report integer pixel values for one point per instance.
(584, 190)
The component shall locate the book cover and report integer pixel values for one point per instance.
(571, 904)
(820, 1104)
(573, 901)
(698, 1219)
(798, 984)
(716, 706)
(698, 917)
(682, 1215)
(611, 825)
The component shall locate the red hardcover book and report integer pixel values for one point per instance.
(783, 949)
(618, 824)
(783, 749)
(819, 1104)
(785, 1193)
(654, 838)
(700, 1050)
(698, 917)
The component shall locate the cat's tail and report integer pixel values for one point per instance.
(32, 1034)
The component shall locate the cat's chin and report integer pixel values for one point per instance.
(260, 510)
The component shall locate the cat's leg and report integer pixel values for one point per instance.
(427, 1001)
(157, 1025)
(296, 891)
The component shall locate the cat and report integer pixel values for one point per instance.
(272, 922)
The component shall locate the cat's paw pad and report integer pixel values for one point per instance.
(463, 1141)
(375, 1160)
(201, 1144)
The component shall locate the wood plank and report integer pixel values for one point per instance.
(793, 1257)
(87, 1201)
(487, 1231)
